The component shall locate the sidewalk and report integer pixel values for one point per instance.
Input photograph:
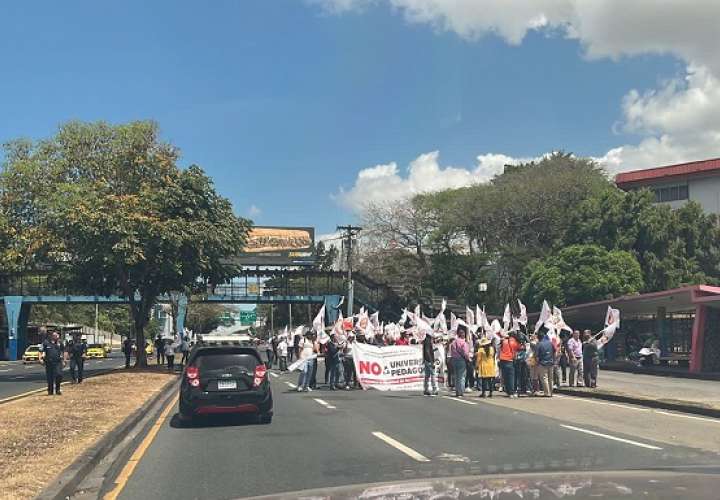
(680, 394)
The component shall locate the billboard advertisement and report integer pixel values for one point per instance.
(279, 246)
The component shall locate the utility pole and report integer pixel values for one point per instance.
(349, 233)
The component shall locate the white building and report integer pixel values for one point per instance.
(676, 184)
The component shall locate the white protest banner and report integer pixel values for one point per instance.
(392, 368)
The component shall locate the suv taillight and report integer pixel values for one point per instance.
(260, 371)
(193, 375)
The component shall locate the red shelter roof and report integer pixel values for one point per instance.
(692, 168)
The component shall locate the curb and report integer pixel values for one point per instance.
(651, 403)
(713, 376)
(43, 389)
(63, 486)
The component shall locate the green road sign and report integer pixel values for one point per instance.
(248, 317)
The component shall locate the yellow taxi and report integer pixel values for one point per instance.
(96, 351)
(32, 354)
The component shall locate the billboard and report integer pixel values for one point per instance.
(279, 246)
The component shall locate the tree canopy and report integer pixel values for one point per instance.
(111, 206)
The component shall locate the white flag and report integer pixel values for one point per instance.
(375, 319)
(453, 322)
(544, 316)
(506, 317)
(612, 323)
(443, 306)
(558, 321)
(418, 314)
(440, 323)
(469, 317)
(523, 314)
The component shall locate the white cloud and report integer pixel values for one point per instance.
(254, 211)
(424, 174)
(679, 121)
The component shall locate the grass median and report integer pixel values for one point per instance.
(41, 435)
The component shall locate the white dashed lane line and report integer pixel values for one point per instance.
(459, 400)
(399, 446)
(325, 404)
(612, 438)
(291, 385)
(274, 374)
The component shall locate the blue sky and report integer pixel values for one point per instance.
(285, 102)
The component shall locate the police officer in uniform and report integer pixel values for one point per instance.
(52, 355)
(76, 350)
(127, 350)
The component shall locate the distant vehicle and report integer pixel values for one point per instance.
(96, 351)
(225, 376)
(32, 354)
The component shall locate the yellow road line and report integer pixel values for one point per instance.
(129, 467)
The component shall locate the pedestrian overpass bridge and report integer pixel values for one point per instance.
(20, 292)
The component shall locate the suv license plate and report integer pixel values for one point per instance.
(225, 385)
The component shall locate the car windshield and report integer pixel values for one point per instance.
(320, 243)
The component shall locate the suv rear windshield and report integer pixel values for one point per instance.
(222, 359)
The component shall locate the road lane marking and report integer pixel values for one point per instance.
(135, 458)
(28, 367)
(274, 374)
(613, 438)
(291, 385)
(5, 370)
(19, 377)
(627, 407)
(325, 404)
(460, 400)
(714, 420)
(399, 446)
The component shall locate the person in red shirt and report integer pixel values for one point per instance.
(402, 340)
(508, 348)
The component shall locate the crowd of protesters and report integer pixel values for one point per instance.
(520, 363)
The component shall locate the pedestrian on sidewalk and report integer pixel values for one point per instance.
(430, 386)
(546, 361)
(459, 355)
(575, 359)
(159, 351)
(52, 355)
(127, 350)
(76, 350)
(591, 358)
(486, 367)
(282, 349)
(508, 349)
(170, 355)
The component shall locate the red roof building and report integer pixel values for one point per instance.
(675, 184)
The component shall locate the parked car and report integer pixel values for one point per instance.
(31, 354)
(96, 351)
(225, 376)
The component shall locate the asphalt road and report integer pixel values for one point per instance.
(332, 438)
(16, 378)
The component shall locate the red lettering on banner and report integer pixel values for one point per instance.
(369, 367)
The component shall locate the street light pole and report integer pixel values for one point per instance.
(350, 233)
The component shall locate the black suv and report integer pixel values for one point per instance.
(225, 377)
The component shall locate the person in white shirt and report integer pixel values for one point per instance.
(308, 350)
(282, 349)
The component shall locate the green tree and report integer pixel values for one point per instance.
(122, 216)
(203, 318)
(673, 246)
(581, 273)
